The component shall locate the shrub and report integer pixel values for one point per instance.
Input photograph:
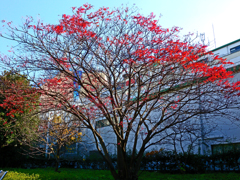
(20, 176)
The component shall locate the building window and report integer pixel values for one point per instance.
(235, 49)
(104, 123)
(225, 148)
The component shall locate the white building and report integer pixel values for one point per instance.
(214, 134)
(226, 135)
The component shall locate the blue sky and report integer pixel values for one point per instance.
(191, 15)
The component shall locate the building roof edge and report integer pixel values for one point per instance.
(225, 45)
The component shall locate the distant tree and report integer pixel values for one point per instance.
(131, 67)
(59, 132)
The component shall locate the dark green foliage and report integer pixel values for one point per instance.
(16, 156)
(170, 162)
(164, 162)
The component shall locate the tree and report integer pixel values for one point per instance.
(58, 134)
(21, 123)
(130, 66)
(18, 100)
(56, 129)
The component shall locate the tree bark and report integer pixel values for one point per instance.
(57, 158)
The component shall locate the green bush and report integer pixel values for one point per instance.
(13, 175)
(169, 162)
(50, 174)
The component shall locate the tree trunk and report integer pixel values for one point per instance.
(57, 158)
(125, 170)
(127, 175)
(57, 164)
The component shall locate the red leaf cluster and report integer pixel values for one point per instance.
(18, 97)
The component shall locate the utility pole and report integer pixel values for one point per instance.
(201, 123)
(48, 126)
(214, 36)
(202, 37)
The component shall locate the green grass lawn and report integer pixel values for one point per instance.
(86, 174)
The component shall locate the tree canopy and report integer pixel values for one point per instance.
(18, 100)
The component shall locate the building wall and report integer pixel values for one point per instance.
(218, 129)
